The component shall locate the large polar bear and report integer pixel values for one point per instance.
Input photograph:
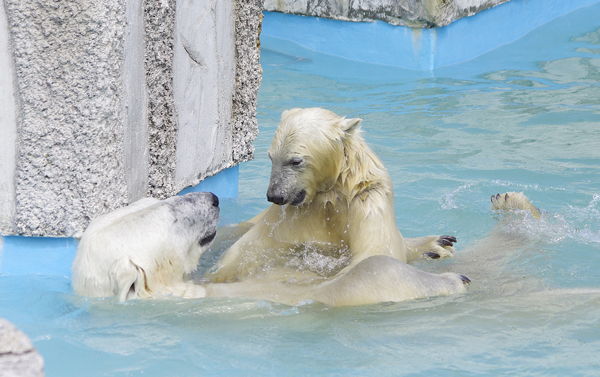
(147, 248)
(332, 229)
(330, 234)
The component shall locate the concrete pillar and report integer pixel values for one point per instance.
(105, 102)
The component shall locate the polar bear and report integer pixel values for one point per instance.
(146, 249)
(382, 278)
(332, 221)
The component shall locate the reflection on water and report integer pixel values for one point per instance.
(525, 117)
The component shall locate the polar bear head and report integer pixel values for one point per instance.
(141, 249)
(307, 154)
(196, 213)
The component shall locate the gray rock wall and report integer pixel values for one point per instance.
(109, 101)
(412, 13)
(68, 59)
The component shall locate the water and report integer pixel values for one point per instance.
(525, 117)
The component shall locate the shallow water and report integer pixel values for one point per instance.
(525, 117)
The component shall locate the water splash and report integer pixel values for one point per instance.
(448, 202)
(323, 258)
(578, 224)
(274, 225)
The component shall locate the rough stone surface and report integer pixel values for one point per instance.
(8, 129)
(412, 13)
(248, 75)
(68, 59)
(18, 357)
(97, 120)
(159, 21)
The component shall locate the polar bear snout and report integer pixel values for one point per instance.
(283, 186)
(275, 199)
(197, 213)
(280, 200)
(215, 199)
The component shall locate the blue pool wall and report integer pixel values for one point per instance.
(372, 42)
(416, 48)
(54, 256)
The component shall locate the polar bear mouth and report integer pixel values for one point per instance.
(299, 199)
(208, 239)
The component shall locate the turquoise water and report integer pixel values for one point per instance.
(525, 117)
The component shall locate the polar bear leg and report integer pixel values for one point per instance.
(373, 280)
(186, 290)
(130, 279)
(132, 283)
(381, 279)
(430, 247)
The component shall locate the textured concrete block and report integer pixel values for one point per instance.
(203, 73)
(111, 101)
(248, 73)
(68, 63)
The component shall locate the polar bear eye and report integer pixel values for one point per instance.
(296, 161)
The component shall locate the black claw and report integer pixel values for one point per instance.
(498, 196)
(446, 241)
(492, 198)
(465, 279)
(432, 255)
(506, 197)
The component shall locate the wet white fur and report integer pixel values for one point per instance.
(145, 249)
(349, 203)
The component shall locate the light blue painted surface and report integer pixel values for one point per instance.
(54, 256)
(223, 185)
(418, 49)
(522, 117)
(37, 255)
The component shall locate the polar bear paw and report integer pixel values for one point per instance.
(514, 201)
(443, 248)
(430, 247)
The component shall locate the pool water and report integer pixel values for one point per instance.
(524, 117)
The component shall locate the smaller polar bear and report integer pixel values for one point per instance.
(146, 249)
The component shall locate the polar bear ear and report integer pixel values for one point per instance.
(289, 112)
(349, 126)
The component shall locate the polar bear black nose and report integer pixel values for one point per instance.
(276, 199)
(215, 200)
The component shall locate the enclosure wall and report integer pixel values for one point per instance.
(105, 102)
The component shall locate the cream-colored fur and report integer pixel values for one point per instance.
(334, 200)
(146, 249)
(383, 278)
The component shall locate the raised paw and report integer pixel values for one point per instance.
(514, 201)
